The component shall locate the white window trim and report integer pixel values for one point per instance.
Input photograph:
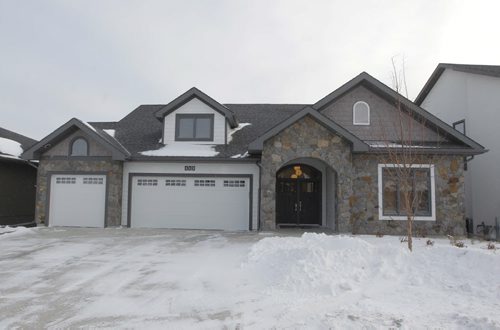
(354, 114)
(381, 215)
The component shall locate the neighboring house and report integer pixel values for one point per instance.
(467, 97)
(197, 163)
(17, 180)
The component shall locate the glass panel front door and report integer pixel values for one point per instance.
(298, 195)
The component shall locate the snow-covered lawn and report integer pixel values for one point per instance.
(197, 279)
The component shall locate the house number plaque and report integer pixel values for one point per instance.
(189, 168)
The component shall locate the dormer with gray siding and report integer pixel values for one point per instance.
(195, 118)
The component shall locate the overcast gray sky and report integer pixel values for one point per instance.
(97, 60)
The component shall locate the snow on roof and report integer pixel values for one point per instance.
(236, 129)
(245, 155)
(183, 149)
(110, 132)
(10, 147)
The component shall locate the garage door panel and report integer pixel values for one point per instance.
(190, 203)
(77, 200)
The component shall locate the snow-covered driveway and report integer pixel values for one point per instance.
(196, 279)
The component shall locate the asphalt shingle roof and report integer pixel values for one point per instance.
(140, 130)
(25, 141)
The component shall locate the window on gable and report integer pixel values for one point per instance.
(194, 127)
(361, 113)
(79, 147)
(393, 187)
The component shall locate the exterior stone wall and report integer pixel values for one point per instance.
(113, 169)
(357, 186)
(450, 199)
(306, 139)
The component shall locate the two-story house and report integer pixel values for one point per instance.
(467, 97)
(197, 163)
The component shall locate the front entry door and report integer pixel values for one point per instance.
(298, 196)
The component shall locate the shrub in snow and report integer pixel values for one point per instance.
(430, 243)
(455, 242)
(491, 246)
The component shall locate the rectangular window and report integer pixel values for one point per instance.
(92, 180)
(401, 189)
(175, 182)
(204, 183)
(65, 180)
(194, 127)
(147, 182)
(234, 183)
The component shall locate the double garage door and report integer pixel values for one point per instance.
(77, 200)
(190, 202)
(155, 202)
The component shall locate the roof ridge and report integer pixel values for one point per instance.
(305, 104)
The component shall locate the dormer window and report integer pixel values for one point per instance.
(361, 113)
(194, 127)
(79, 147)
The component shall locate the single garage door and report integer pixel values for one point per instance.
(77, 200)
(190, 202)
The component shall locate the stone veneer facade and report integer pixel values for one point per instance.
(114, 173)
(357, 182)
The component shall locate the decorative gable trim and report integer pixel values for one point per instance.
(117, 150)
(196, 93)
(390, 94)
(357, 145)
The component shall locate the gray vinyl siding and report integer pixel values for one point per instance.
(383, 117)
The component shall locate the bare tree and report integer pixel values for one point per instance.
(402, 143)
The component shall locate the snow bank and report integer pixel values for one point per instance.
(10, 147)
(183, 149)
(13, 231)
(313, 263)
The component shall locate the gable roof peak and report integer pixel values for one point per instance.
(360, 78)
(190, 94)
(257, 145)
(118, 151)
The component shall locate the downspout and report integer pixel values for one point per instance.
(466, 160)
(259, 164)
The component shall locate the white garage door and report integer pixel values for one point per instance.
(77, 200)
(190, 202)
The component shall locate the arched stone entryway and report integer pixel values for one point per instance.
(298, 196)
(308, 142)
(306, 194)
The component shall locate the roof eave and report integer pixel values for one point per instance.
(193, 158)
(431, 151)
